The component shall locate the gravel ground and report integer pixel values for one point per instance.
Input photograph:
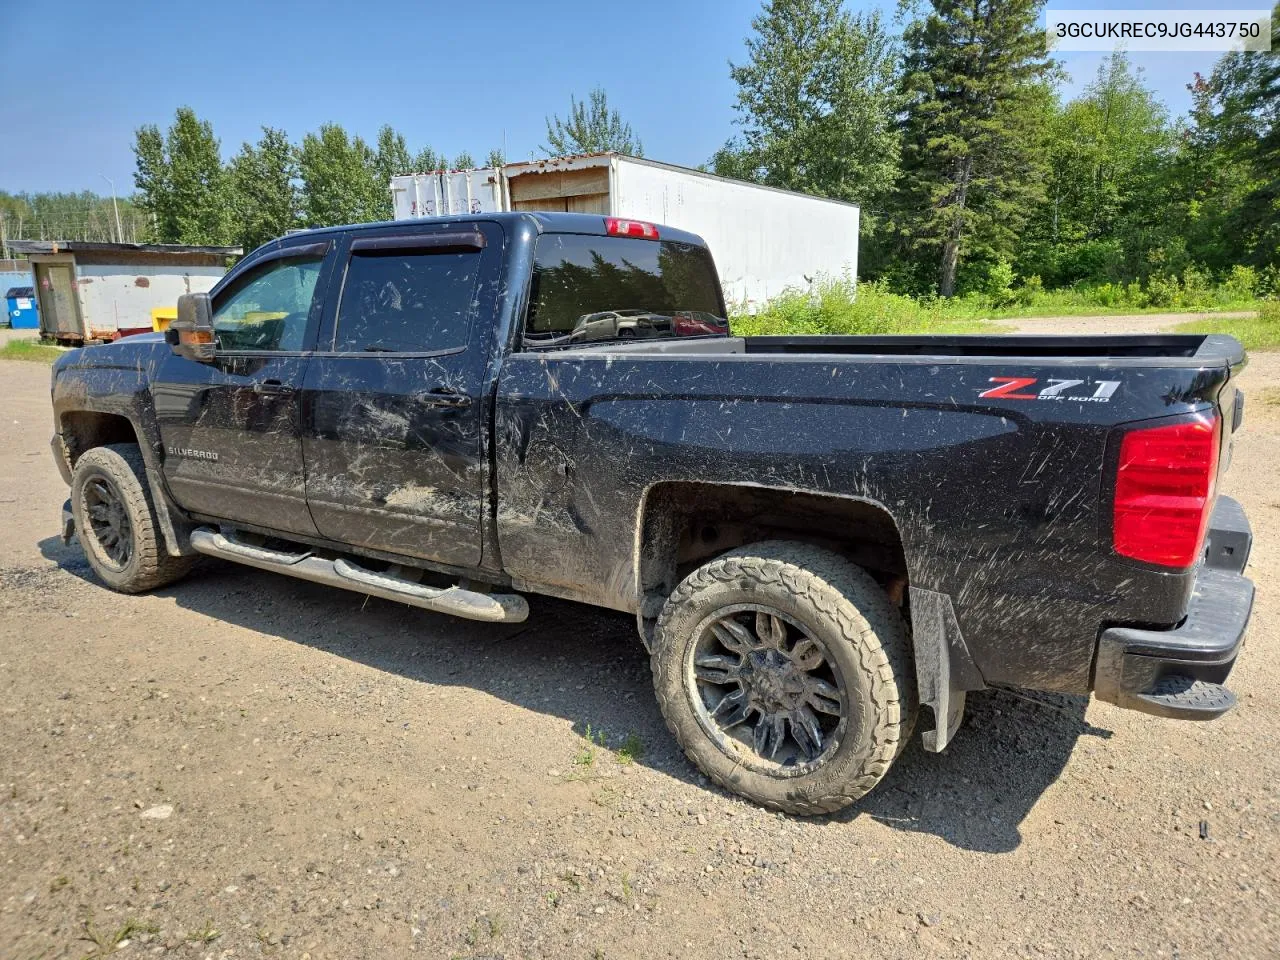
(245, 765)
(1121, 323)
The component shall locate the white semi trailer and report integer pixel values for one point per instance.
(764, 240)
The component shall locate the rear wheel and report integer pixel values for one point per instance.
(116, 521)
(785, 674)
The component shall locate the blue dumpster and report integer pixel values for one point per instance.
(21, 302)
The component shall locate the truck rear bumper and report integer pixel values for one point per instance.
(1179, 672)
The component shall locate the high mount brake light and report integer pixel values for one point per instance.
(616, 227)
(1164, 491)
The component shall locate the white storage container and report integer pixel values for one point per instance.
(446, 192)
(763, 240)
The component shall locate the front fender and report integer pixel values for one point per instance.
(101, 395)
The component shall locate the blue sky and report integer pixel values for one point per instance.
(79, 78)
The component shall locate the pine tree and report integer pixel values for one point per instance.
(591, 128)
(974, 157)
(1245, 89)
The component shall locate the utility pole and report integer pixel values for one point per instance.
(114, 206)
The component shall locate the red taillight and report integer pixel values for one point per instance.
(1164, 491)
(630, 228)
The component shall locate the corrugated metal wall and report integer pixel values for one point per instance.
(14, 278)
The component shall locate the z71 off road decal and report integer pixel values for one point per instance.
(1015, 388)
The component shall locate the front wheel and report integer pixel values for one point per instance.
(116, 521)
(785, 674)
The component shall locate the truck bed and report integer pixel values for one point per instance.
(1169, 349)
(993, 453)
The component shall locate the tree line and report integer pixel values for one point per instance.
(975, 176)
(68, 216)
(271, 186)
(331, 177)
(972, 171)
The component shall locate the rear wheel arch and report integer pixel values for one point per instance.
(682, 525)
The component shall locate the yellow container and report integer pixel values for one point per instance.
(161, 317)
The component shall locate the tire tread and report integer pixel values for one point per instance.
(852, 601)
(155, 567)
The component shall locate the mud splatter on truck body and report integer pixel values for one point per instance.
(974, 478)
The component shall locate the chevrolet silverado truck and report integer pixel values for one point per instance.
(817, 535)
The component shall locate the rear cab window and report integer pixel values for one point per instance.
(592, 289)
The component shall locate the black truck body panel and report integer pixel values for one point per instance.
(544, 468)
(999, 504)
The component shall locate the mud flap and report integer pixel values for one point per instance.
(68, 523)
(175, 530)
(945, 671)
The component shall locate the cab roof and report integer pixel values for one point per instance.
(592, 224)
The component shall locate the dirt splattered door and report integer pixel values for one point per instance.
(394, 411)
(231, 427)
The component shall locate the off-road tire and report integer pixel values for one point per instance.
(150, 565)
(841, 605)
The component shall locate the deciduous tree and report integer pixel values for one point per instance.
(181, 181)
(264, 190)
(340, 179)
(1107, 196)
(817, 100)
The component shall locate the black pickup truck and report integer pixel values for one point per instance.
(816, 534)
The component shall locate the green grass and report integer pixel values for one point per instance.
(631, 750)
(106, 940)
(206, 934)
(1066, 306)
(1256, 333)
(32, 350)
(833, 308)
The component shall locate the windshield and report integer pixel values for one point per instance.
(587, 289)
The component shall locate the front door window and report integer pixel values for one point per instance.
(269, 309)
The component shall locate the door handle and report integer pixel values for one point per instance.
(271, 387)
(444, 397)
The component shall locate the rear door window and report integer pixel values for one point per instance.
(407, 301)
(588, 289)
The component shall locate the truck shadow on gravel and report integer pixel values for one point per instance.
(586, 665)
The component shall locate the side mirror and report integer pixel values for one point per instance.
(191, 334)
